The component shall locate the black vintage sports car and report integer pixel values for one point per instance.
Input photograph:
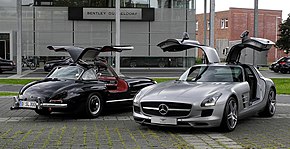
(6, 65)
(49, 65)
(83, 87)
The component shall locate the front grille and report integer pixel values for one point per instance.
(174, 109)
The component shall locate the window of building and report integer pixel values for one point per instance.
(224, 23)
(111, 3)
(196, 25)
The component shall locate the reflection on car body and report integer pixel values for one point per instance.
(208, 95)
(82, 87)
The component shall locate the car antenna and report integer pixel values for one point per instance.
(185, 36)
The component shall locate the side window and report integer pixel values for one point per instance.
(89, 75)
(105, 72)
(194, 72)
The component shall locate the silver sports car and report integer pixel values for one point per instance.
(209, 95)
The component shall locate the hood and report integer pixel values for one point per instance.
(176, 91)
(257, 44)
(176, 45)
(44, 88)
(89, 53)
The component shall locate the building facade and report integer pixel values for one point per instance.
(53, 22)
(231, 23)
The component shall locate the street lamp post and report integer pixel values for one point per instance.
(19, 37)
(117, 20)
(276, 36)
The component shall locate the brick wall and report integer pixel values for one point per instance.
(241, 19)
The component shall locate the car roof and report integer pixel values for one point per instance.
(219, 64)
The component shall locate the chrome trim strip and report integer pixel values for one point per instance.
(53, 105)
(150, 108)
(142, 84)
(109, 101)
(178, 109)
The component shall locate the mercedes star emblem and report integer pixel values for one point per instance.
(163, 109)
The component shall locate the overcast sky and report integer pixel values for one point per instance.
(263, 4)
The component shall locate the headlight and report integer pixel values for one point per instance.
(211, 100)
(141, 94)
(137, 98)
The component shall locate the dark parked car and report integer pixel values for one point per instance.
(82, 87)
(152, 61)
(49, 65)
(282, 65)
(6, 65)
(208, 95)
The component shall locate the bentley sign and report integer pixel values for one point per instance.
(101, 14)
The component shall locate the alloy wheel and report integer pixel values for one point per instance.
(232, 115)
(272, 100)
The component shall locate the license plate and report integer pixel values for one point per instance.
(27, 104)
(164, 120)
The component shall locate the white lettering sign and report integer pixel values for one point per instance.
(109, 13)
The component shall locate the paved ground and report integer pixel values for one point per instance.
(116, 129)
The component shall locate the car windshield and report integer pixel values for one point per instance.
(213, 74)
(69, 72)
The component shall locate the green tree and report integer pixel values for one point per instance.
(283, 43)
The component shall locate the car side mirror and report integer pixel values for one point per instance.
(77, 75)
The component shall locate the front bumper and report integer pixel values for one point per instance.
(197, 121)
(38, 104)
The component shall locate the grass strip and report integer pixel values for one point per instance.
(16, 81)
(282, 84)
(8, 93)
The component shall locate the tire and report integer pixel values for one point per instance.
(43, 111)
(276, 70)
(230, 115)
(270, 107)
(94, 105)
(32, 66)
(283, 71)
